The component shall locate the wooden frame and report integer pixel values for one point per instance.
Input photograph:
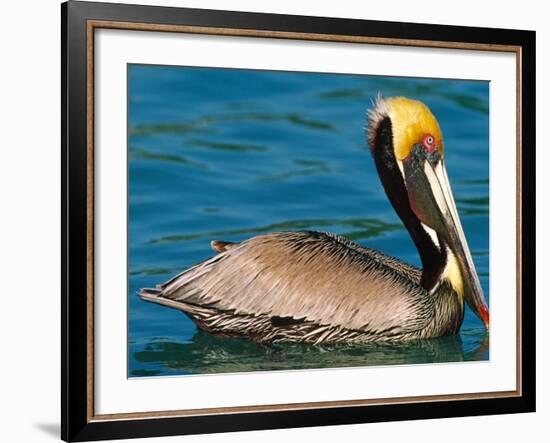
(79, 21)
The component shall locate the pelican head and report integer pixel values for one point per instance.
(407, 146)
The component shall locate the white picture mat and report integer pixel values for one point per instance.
(115, 393)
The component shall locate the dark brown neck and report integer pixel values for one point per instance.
(433, 257)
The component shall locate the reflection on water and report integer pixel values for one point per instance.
(208, 354)
(229, 154)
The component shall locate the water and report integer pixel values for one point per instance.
(229, 154)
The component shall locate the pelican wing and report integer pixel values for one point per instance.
(308, 276)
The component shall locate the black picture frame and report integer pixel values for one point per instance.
(77, 424)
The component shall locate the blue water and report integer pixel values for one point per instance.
(229, 154)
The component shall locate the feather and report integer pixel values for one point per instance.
(308, 276)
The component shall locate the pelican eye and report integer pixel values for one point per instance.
(429, 142)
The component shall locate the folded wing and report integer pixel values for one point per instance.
(310, 276)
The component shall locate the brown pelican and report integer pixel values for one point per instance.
(316, 287)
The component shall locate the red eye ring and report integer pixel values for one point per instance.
(429, 142)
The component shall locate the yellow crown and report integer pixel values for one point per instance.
(411, 120)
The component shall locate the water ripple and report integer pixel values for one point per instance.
(205, 124)
(465, 101)
(369, 228)
(154, 271)
(225, 146)
(150, 129)
(144, 154)
(311, 167)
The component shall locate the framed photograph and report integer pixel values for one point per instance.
(277, 221)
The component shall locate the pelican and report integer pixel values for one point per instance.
(316, 287)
